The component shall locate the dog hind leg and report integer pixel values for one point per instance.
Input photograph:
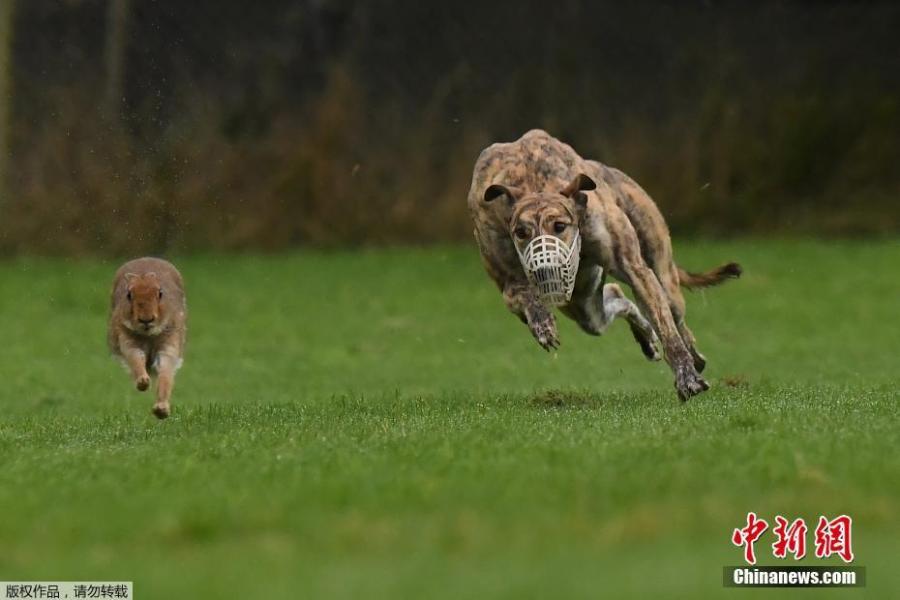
(615, 304)
(597, 309)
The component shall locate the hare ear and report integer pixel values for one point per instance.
(151, 275)
(495, 190)
(129, 277)
(581, 183)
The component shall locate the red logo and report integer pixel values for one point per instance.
(832, 537)
(747, 536)
(791, 539)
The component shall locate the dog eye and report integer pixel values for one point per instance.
(559, 226)
(160, 294)
(521, 232)
(128, 295)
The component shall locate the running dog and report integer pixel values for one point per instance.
(551, 225)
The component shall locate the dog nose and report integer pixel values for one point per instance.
(146, 321)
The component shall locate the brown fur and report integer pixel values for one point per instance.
(715, 277)
(148, 324)
(539, 185)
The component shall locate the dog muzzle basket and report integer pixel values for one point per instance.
(551, 266)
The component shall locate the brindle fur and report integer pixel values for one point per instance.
(537, 182)
(148, 325)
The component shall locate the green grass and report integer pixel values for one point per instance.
(377, 425)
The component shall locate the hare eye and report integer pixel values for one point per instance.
(160, 294)
(128, 295)
(559, 226)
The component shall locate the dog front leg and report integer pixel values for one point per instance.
(655, 306)
(523, 302)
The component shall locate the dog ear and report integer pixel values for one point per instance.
(495, 190)
(581, 183)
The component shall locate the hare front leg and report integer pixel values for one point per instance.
(166, 366)
(136, 360)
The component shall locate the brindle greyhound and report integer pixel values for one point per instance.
(539, 185)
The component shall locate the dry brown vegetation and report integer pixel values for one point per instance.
(379, 146)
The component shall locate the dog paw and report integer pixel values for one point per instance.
(142, 383)
(649, 343)
(544, 331)
(699, 362)
(689, 383)
(651, 348)
(161, 411)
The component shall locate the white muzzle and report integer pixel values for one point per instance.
(551, 266)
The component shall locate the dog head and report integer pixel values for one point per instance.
(544, 213)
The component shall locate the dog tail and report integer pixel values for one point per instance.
(715, 277)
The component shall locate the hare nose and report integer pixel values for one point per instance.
(146, 321)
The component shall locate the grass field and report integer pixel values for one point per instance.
(377, 425)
